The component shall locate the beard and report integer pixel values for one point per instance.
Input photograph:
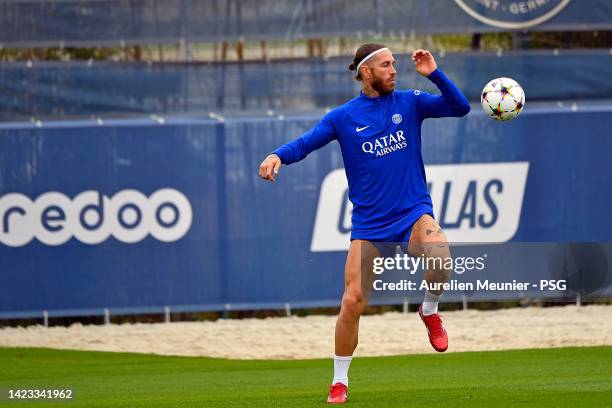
(382, 87)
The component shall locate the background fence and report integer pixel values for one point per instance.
(249, 242)
(133, 188)
(60, 89)
(28, 23)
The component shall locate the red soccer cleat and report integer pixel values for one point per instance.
(338, 394)
(437, 334)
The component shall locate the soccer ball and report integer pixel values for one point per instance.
(502, 99)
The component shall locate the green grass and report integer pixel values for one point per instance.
(542, 378)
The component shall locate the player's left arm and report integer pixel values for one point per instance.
(452, 102)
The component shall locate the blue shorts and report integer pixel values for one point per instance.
(387, 239)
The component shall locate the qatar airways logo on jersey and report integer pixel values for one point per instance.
(92, 217)
(385, 144)
(472, 202)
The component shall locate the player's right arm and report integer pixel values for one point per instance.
(317, 137)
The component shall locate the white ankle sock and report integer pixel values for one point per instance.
(430, 303)
(341, 367)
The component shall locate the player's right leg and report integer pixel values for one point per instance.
(358, 283)
(356, 294)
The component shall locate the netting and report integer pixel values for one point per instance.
(26, 23)
(59, 89)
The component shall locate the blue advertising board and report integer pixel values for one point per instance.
(135, 215)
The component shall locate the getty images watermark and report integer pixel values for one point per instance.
(412, 264)
(498, 269)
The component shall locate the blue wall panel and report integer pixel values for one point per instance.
(249, 242)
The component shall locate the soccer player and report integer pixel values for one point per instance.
(379, 133)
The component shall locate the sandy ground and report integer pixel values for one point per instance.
(312, 337)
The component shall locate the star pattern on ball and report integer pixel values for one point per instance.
(497, 111)
(518, 107)
(504, 90)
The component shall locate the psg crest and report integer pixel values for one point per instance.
(512, 14)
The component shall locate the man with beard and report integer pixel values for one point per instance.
(379, 133)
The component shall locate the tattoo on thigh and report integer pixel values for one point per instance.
(434, 229)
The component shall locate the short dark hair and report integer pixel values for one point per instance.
(362, 52)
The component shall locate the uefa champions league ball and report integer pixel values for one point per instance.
(502, 99)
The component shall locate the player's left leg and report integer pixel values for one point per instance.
(428, 239)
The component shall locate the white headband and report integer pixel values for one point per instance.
(370, 55)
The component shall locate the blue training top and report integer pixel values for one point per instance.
(380, 139)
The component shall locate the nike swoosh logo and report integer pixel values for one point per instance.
(359, 129)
